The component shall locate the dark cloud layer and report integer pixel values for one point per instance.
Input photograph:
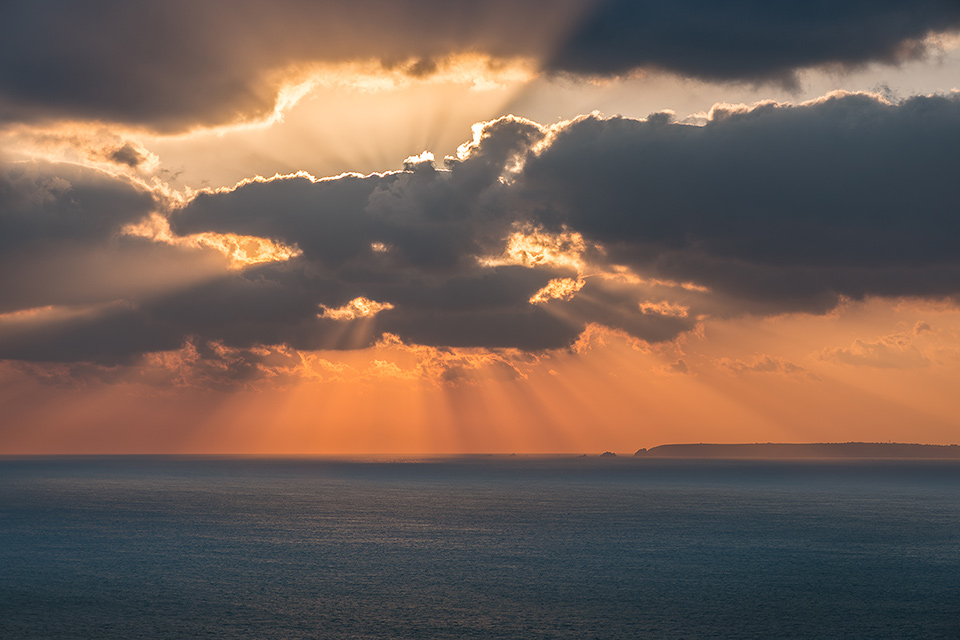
(39, 205)
(751, 40)
(774, 209)
(61, 243)
(787, 206)
(175, 64)
(171, 64)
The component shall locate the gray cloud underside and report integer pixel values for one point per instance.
(775, 209)
(175, 64)
(778, 207)
(71, 203)
(750, 40)
(171, 64)
(59, 242)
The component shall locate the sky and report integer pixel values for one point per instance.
(404, 228)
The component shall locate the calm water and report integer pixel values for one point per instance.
(158, 547)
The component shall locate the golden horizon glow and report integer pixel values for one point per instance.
(867, 370)
(755, 380)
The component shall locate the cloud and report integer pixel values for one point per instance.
(209, 365)
(762, 364)
(664, 308)
(60, 244)
(206, 366)
(921, 326)
(92, 145)
(559, 289)
(175, 65)
(242, 251)
(774, 207)
(528, 238)
(127, 155)
(680, 367)
(895, 351)
(750, 41)
(452, 367)
(41, 202)
(75, 285)
(356, 308)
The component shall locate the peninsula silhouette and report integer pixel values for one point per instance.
(829, 450)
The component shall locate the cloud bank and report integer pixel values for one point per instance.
(752, 41)
(528, 237)
(175, 65)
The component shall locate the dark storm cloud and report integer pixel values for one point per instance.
(172, 64)
(780, 207)
(429, 219)
(175, 64)
(752, 40)
(775, 209)
(413, 240)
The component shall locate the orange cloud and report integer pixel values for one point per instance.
(558, 289)
(532, 247)
(895, 351)
(242, 251)
(356, 308)
(664, 308)
(760, 364)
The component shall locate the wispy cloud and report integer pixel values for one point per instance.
(895, 351)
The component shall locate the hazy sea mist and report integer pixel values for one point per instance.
(168, 547)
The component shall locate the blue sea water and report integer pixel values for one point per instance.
(167, 547)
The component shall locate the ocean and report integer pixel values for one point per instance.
(478, 547)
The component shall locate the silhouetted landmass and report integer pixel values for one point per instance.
(608, 454)
(810, 450)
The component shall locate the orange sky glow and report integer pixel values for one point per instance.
(865, 373)
(399, 247)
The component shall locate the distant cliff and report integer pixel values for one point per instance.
(812, 450)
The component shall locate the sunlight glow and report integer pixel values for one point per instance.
(357, 308)
(622, 273)
(532, 247)
(52, 313)
(426, 156)
(451, 366)
(664, 308)
(481, 73)
(242, 251)
(558, 289)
